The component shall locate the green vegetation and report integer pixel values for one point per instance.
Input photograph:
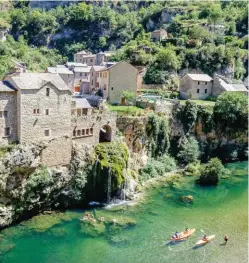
(189, 115)
(158, 167)
(126, 110)
(125, 27)
(211, 172)
(36, 58)
(188, 150)
(129, 96)
(157, 130)
(231, 112)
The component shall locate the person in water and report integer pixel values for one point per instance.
(226, 238)
(176, 234)
(204, 238)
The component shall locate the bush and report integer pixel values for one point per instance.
(188, 150)
(211, 172)
(189, 115)
(192, 169)
(158, 167)
(231, 112)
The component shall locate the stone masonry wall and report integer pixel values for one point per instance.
(58, 121)
(95, 121)
(8, 103)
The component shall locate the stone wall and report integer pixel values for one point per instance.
(95, 122)
(8, 103)
(58, 121)
(57, 152)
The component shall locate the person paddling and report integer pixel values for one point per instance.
(226, 238)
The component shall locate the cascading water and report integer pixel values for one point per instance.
(109, 185)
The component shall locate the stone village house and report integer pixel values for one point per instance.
(115, 79)
(201, 86)
(39, 108)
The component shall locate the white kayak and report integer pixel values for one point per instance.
(203, 242)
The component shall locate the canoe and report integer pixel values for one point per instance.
(184, 235)
(203, 242)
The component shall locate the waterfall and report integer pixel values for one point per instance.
(95, 167)
(109, 185)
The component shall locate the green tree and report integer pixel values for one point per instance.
(231, 112)
(215, 15)
(188, 150)
(129, 96)
(167, 60)
(211, 172)
(189, 115)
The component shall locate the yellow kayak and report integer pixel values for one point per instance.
(203, 242)
(184, 235)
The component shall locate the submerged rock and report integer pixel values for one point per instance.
(187, 198)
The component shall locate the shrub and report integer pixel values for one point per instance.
(189, 115)
(231, 112)
(158, 167)
(192, 169)
(211, 172)
(188, 150)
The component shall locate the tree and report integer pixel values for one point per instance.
(129, 96)
(167, 60)
(231, 112)
(189, 115)
(211, 172)
(188, 150)
(215, 15)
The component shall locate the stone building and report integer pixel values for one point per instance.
(221, 84)
(114, 80)
(3, 34)
(93, 78)
(159, 34)
(38, 108)
(201, 86)
(8, 114)
(92, 59)
(66, 74)
(195, 86)
(82, 79)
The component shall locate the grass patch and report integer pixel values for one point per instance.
(126, 110)
(199, 102)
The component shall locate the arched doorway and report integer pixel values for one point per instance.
(105, 134)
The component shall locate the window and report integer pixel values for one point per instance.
(205, 90)
(101, 75)
(198, 82)
(112, 88)
(84, 111)
(83, 132)
(74, 133)
(92, 74)
(7, 131)
(78, 132)
(91, 131)
(198, 91)
(3, 114)
(206, 83)
(47, 111)
(87, 131)
(104, 86)
(97, 84)
(81, 74)
(36, 111)
(47, 92)
(85, 74)
(47, 132)
(91, 60)
(92, 81)
(68, 75)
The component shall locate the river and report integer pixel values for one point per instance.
(215, 210)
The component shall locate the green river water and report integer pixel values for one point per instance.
(216, 210)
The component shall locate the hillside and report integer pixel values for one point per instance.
(43, 37)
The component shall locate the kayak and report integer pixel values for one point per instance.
(203, 242)
(184, 235)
